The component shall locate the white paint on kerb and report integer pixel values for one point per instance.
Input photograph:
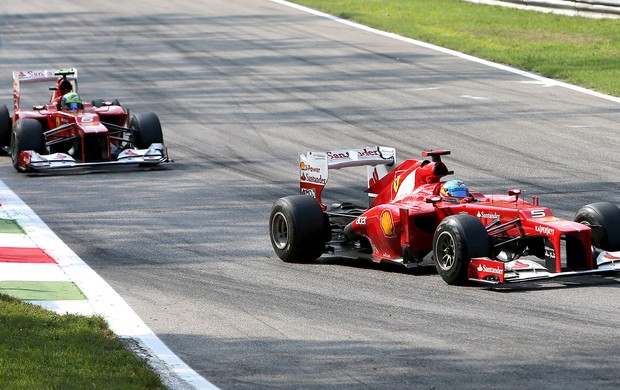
(102, 299)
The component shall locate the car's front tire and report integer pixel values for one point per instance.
(146, 130)
(27, 135)
(297, 228)
(457, 240)
(5, 126)
(604, 219)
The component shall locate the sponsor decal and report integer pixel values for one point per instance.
(361, 220)
(333, 155)
(347, 154)
(387, 223)
(309, 191)
(396, 184)
(482, 214)
(519, 265)
(311, 174)
(549, 219)
(368, 152)
(34, 73)
(313, 179)
(545, 230)
(492, 270)
(609, 256)
(307, 167)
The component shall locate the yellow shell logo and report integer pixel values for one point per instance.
(387, 223)
(396, 183)
(302, 165)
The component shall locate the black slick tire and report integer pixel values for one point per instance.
(457, 240)
(297, 228)
(27, 135)
(5, 126)
(146, 130)
(604, 219)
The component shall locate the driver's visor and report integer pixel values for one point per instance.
(459, 193)
(73, 106)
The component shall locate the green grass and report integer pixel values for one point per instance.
(43, 350)
(577, 50)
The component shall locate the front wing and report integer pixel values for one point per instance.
(523, 270)
(29, 160)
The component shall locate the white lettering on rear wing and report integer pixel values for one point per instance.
(372, 155)
(33, 76)
(314, 166)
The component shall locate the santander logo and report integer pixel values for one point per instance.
(491, 270)
(482, 214)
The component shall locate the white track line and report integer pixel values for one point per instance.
(547, 81)
(102, 299)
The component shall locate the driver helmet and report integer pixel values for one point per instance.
(71, 101)
(454, 190)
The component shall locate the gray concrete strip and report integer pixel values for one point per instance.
(585, 8)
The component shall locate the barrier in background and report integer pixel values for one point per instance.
(587, 8)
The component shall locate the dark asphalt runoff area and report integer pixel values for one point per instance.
(241, 87)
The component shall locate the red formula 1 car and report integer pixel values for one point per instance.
(470, 236)
(51, 136)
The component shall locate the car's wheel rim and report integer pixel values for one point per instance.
(279, 230)
(445, 251)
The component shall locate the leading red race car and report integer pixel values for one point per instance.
(54, 135)
(470, 236)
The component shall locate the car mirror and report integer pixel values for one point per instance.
(432, 199)
(515, 192)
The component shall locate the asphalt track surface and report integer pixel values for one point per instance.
(241, 87)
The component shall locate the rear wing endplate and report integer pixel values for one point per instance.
(314, 167)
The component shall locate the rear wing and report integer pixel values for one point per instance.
(38, 76)
(314, 167)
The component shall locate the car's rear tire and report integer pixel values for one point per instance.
(146, 130)
(297, 228)
(5, 126)
(27, 135)
(457, 240)
(604, 218)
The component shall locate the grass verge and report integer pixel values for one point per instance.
(43, 350)
(576, 50)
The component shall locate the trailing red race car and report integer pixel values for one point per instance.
(66, 132)
(470, 236)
